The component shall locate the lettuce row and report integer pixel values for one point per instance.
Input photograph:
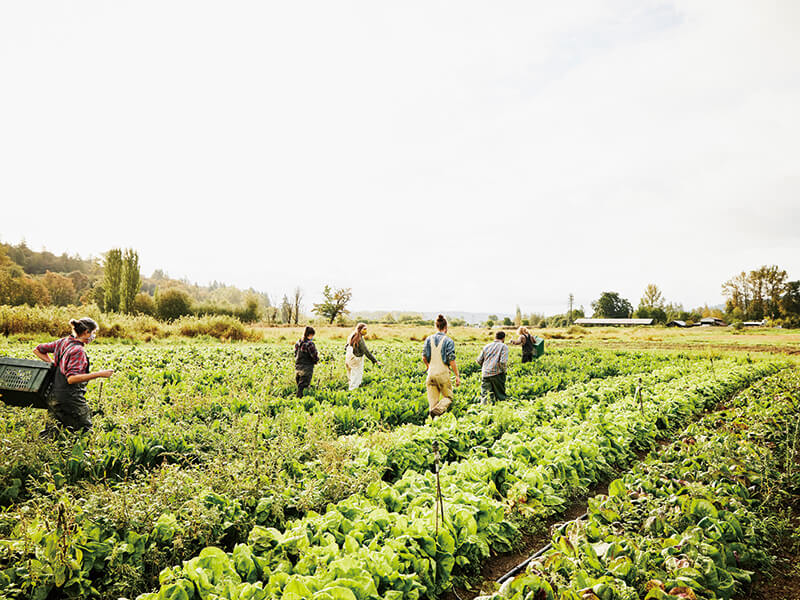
(680, 525)
(398, 552)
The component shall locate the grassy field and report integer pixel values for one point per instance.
(667, 338)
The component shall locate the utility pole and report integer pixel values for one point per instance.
(571, 303)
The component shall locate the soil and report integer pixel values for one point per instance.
(783, 583)
(501, 564)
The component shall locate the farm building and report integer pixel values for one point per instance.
(677, 323)
(613, 322)
(712, 322)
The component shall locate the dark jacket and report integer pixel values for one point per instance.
(361, 349)
(305, 355)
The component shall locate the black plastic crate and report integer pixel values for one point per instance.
(25, 382)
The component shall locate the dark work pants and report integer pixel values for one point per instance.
(68, 404)
(527, 357)
(494, 386)
(303, 379)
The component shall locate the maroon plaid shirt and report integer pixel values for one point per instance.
(69, 354)
(305, 353)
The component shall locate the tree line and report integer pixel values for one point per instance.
(115, 284)
(763, 293)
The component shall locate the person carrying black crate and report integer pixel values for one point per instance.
(68, 405)
(527, 342)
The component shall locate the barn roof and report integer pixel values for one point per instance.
(712, 321)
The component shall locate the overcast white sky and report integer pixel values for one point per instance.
(430, 155)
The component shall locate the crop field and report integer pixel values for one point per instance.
(204, 477)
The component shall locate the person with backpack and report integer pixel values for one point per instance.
(68, 404)
(305, 357)
(439, 357)
(355, 352)
(527, 342)
(493, 360)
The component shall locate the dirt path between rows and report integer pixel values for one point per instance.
(501, 564)
(783, 582)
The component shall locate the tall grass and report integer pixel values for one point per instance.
(54, 320)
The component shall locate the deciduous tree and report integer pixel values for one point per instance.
(112, 278)
(334, 303)
(61, 288)
(298, 297)
(652, 298)
(611, 305)
(286, 310)
(131, 280)
(173, 304)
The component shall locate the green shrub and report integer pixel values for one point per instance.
(173, 304)
(220, 326)
(144, 304)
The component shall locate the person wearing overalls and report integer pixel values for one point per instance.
(439, 356)
(68, 403)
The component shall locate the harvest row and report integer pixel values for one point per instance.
(381, 544)
(689, 522)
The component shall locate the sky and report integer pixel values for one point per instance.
(432, 156)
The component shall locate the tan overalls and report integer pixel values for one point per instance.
(440, 390)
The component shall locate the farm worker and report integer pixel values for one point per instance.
(439, 356)
(493, 360)
(526, 341)
(305, 357)
(68, 404)
(355, 352)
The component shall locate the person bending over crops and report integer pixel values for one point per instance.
(493, 360)
(355, 352)
(526, 341)
(305, 357)
(439, 356)
(68, 403)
